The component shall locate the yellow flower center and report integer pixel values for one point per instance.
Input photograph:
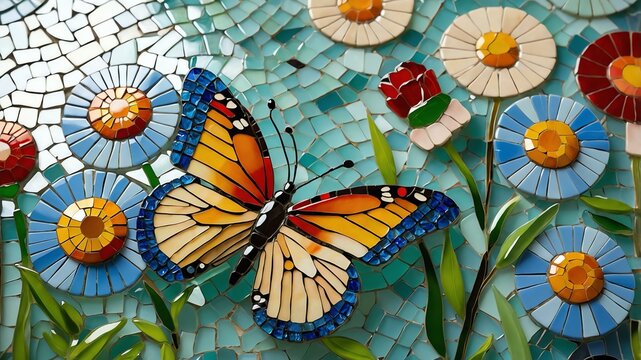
(360, 10)
(497, 49)
(625, 74)
(575, 277)
(551, 144)
(92, 230)
(632, 74)
(120, 113)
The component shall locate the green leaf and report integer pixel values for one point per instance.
(469, 179)
(151, 330)
(56, 342)
(9, 191)
(347, 349)
(95, 342)
(179, 302)
(612, 226)
(21, 332)
(480, 352)
(166, 352)
(132, 353)
(433, 317)
(382, 152)
(635, 339)
(451, 278)
(608, 205)
(151, 175)
(47, 303)
(499, 220)
(73, 314)
(519, 240)
(21, 230)
(161, 308)
(516, 342)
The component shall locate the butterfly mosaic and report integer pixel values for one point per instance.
(305, 285)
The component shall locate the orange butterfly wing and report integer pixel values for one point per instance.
(373, 222)
(220, 142)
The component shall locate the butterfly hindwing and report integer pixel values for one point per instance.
(373, 222)
(302, 290)
(185, 227)
(220, 142)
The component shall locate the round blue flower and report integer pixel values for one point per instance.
(121, 116)
(82, 234)
(551, 147)
(575, 281)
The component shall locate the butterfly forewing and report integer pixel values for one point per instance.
(220, 142)
(373, 222)
(302, 290)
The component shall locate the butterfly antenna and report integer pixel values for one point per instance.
(347, 164)
(289, 130)
(271, 104)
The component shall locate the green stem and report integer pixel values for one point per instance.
(433, 317)
(636, 177)
(20, 336)
(489, 157)
(151, 175)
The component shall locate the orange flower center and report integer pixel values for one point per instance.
(360, 10)
(575, 277)
(120, 113)
(551, 144)
(497, 49)
(92, 230)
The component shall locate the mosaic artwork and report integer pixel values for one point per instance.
(320, 179)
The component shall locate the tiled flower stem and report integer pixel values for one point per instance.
(636, 176)
(489, 156)
(24, 309)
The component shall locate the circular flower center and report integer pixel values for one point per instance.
(625, 74)
(92, 230)
(120, 113)
(575, 277)
(5, 151)
(497, 49)
(551, 144)
(360, 10)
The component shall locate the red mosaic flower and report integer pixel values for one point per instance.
(17, 153)
(409, 85)
(609, 74)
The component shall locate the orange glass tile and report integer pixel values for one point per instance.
(360, 10)
(497, 49)
(581, 281)
(551, 144)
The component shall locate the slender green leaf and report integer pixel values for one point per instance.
(21, 332)
(47, 303)
(178, 303)
(482, 350)
(516, 342)
(151, 330)
(167, 352)
(612, 226)
(151, 175)
(469, 179)
(56, 342)
(519, 240)
(608, 205)
(9, 191)
(382, 152)
(433, 317)
(499, 220)
(96, 341)
(451, 278)
(21, 230)
(73, 314)
(161, 308)
(635, 339)
(132, 353)
(347, 349)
